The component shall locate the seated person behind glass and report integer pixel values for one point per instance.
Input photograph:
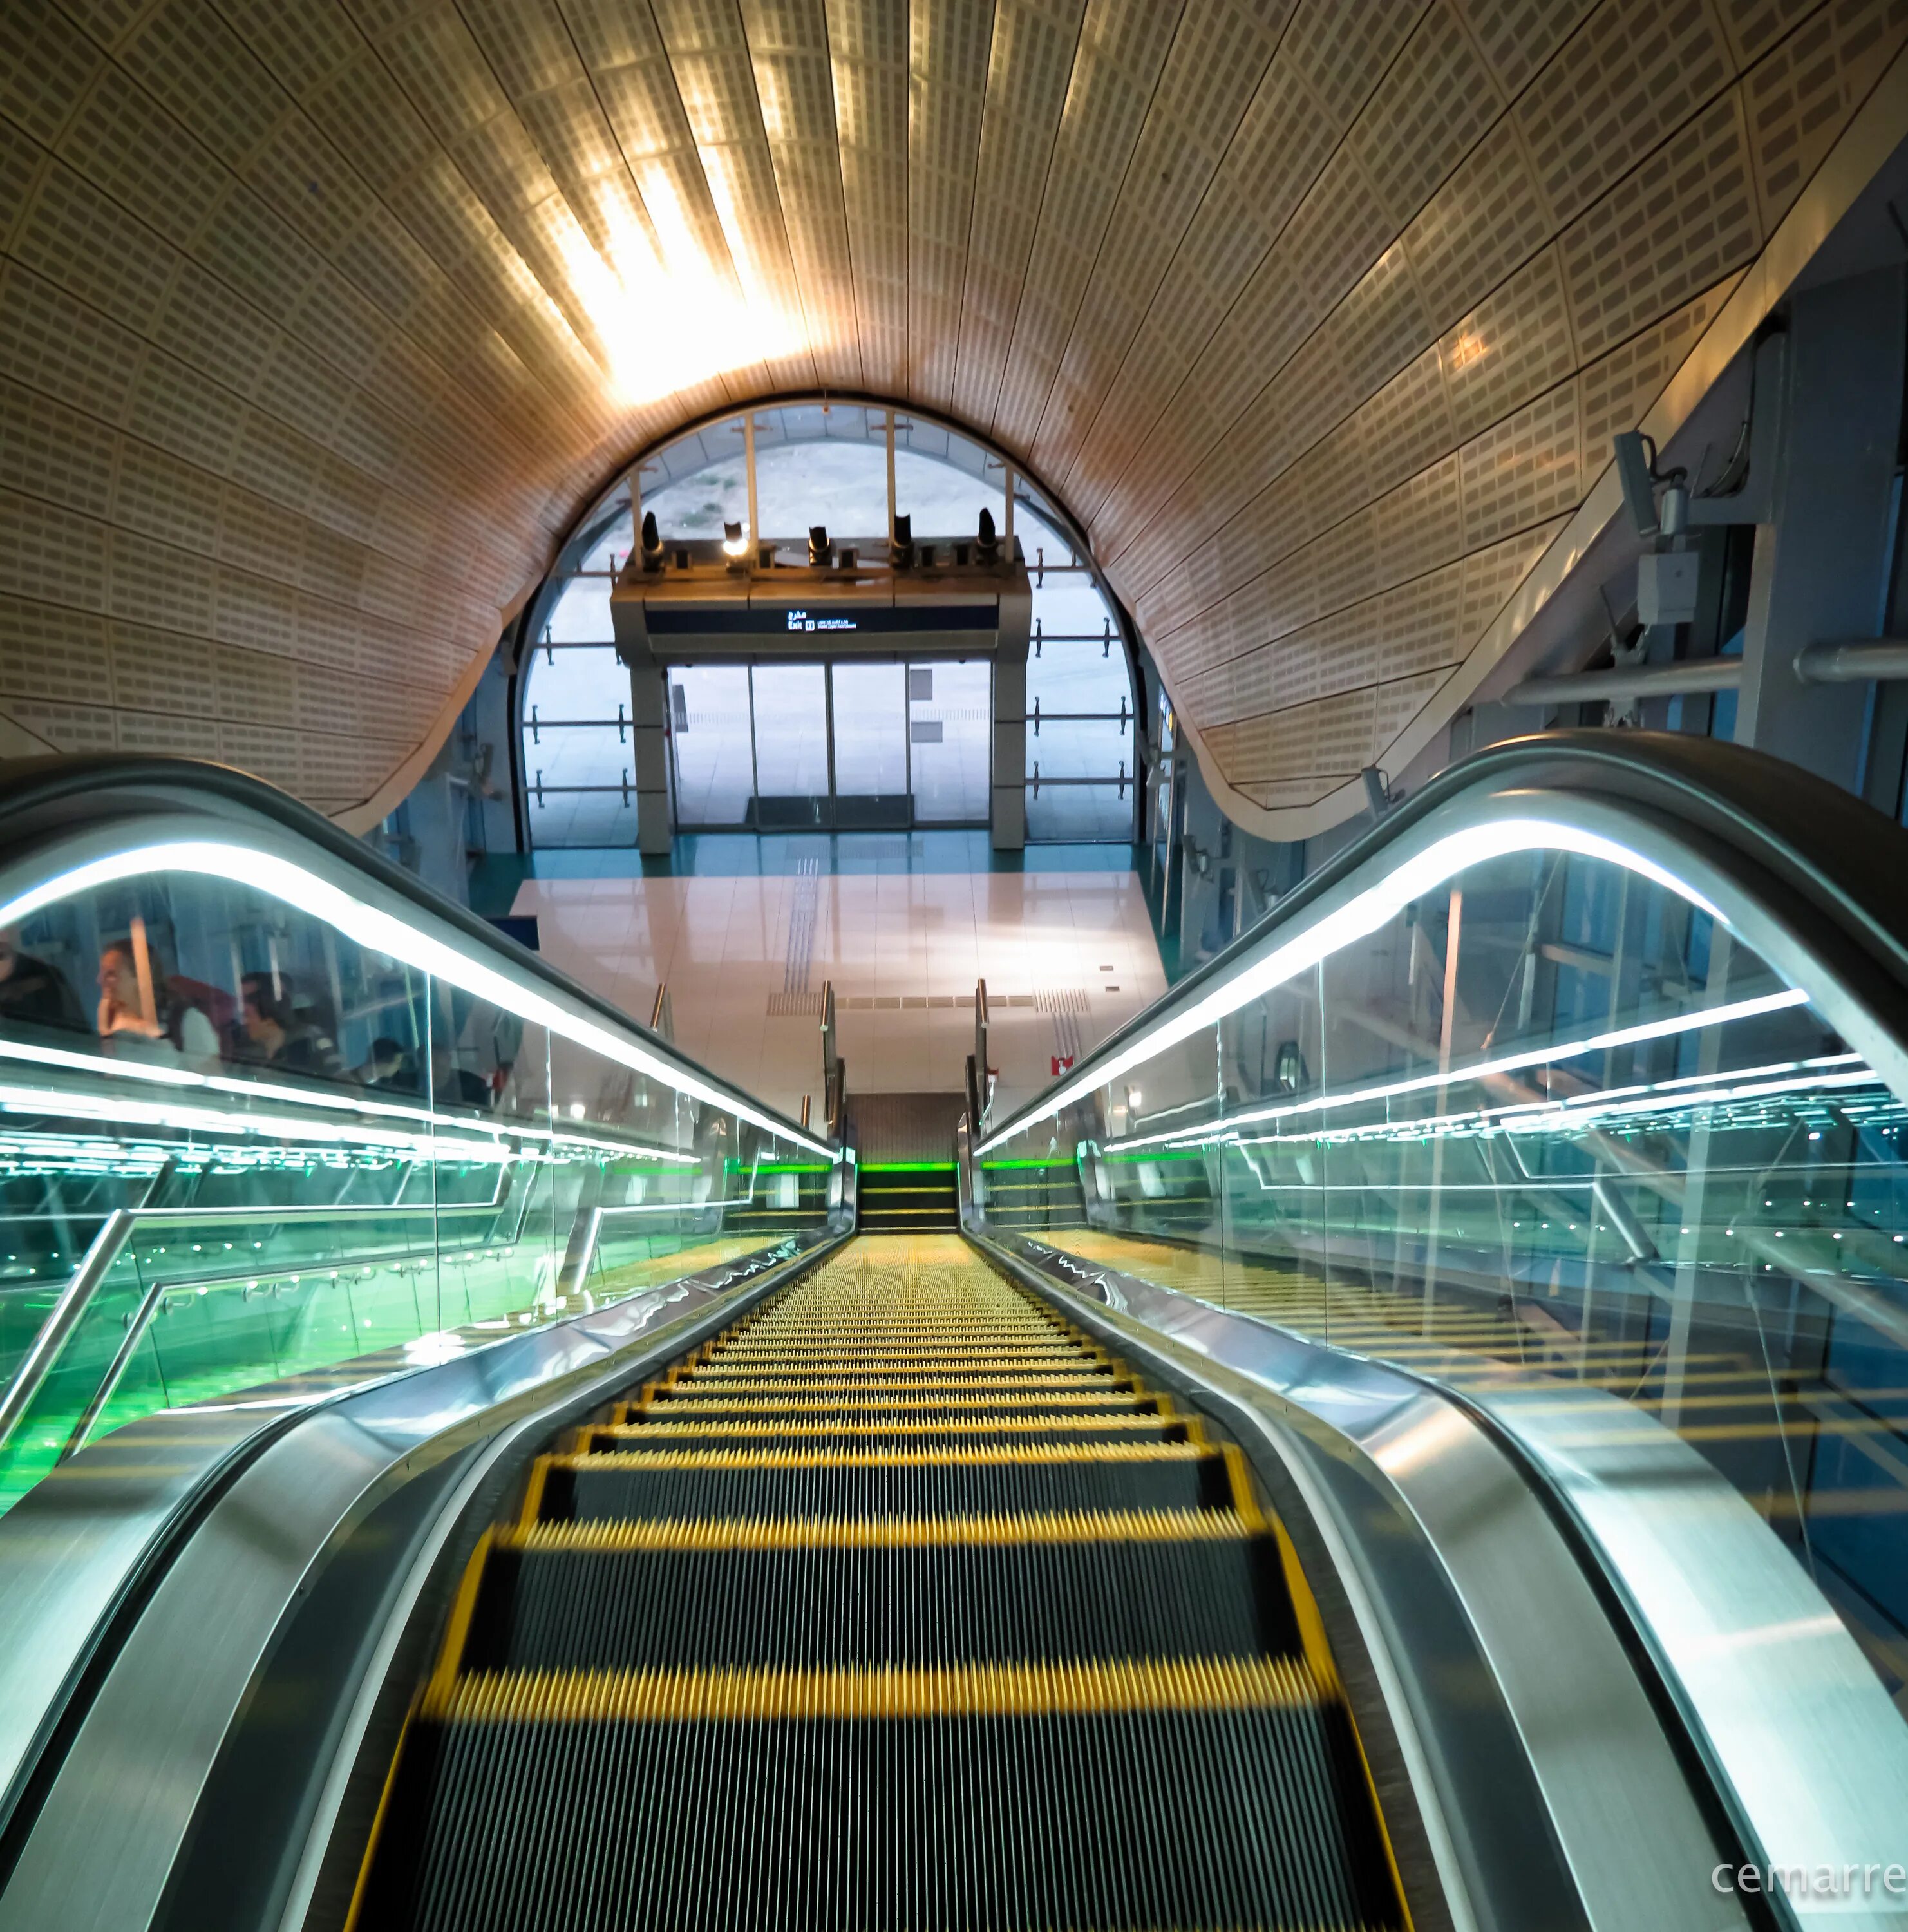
(390, 1065)
(33, 994)
(137, 1017)
(283, 1038)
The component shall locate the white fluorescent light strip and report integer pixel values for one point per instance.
(186, 1119)
(1548, 1116)
(176, 1077)
(1631, 1036)
(265, 871)
(1375, 906)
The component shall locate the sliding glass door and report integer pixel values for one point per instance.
(841, 747)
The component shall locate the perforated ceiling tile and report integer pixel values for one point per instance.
(323, 322)
(1680, 222)
(1395, 705)
(948, 51)
(1492, 576)
(1218, 54)
(174, 734)
(1635, 70)
(1523, 470)
(1116, 67)
(55, 451)
(1379, 326)
(1799, 98)
(1486, 220)
(1420, 524)
(160, 671)
(121, 138)
(1754, 26)
(46, 63)
(251, 685)
(1031, 56)
(1280, 518)
(1343, 52)
(183, 54)
(303, 46)
(868, 52)
(1430, 111)
(788, 46)
(272, 755)
(52, 555)
(1519, 36)
(1407, 424)
(77, 729)
(1617, 391)
(46, 652)
(167, 498)
(1283, 142)
(1510, 347)
(21, 158)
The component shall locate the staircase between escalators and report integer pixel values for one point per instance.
(900, 1604)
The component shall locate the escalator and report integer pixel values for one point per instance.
(1326, 1462)
(945, 1614)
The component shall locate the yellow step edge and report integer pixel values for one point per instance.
(794, 1405)
(897, 1384)
(679, 1535)
(1021, 1454)
(926, 1353)
(1074, 1689)
(951, 1425)
(913, 1362)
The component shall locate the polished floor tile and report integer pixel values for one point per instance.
(1067, 957)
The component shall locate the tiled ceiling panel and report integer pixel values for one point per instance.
(320, 320)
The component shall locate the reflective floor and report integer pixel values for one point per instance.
(1067, 957)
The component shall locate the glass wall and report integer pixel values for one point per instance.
(827, 464)
(1539, 1125)
(259, 1134)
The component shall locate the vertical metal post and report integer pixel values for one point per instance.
(754, 763)
(1817, 571)
(891, 476)
(1448, 1022)
(1006, 532)
(748, 464)
(828, 729)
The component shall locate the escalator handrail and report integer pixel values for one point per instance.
(1835, 858)
(38, 795)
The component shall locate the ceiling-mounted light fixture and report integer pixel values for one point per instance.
(734, 543)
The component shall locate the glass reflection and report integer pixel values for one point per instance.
(1550, 1127)
(243, 1156)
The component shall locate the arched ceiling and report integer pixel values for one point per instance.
(321, 320)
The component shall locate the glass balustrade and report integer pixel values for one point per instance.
(264, 1133)
(1526, 1113)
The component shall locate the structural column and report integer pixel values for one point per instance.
(649, 752)
(1008, 815)
(1820, 562)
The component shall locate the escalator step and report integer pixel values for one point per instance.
(1132, 1796)
(899, 1605)
(648, 1433)
(669, 1403)
(929, 1482)
(794, 1382)
(547, 1607)
(829, 1358)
